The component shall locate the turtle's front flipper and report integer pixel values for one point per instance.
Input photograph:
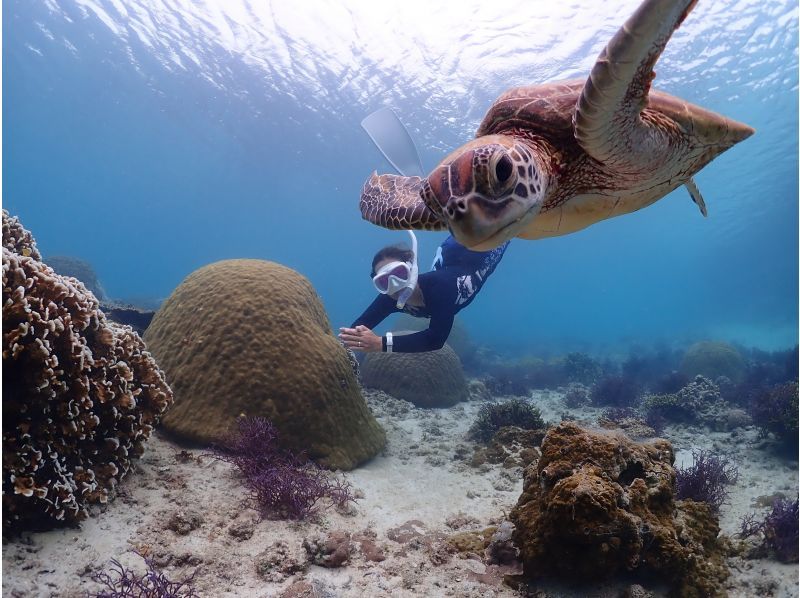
(607, 119)
(395, 202)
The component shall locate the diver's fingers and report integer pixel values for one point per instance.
(350, 338)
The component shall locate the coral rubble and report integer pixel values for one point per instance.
(81, 394)
(597, 504)
(429, 379)
(251, 337)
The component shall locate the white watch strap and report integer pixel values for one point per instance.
(389, 342)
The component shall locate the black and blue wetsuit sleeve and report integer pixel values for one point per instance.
(431, 339)
(440, 299)
(377, 312)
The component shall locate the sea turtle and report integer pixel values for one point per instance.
(553, 159)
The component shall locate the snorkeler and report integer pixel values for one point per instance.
(457, 276)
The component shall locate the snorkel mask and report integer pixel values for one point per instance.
(399, 277)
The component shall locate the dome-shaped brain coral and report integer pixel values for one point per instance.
(80, 394)
(712, 360)
(251, 337)
(428, 379)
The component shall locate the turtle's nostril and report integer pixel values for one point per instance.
(456, 208)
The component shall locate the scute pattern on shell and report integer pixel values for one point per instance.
(81, 394)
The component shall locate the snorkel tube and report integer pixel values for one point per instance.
(393, 140)
(412, 279)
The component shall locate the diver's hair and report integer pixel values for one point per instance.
(394, 252)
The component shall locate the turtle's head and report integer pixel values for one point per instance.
(486, 191)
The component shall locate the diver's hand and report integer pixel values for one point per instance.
(361, 338)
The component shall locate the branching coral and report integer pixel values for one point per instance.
(122, 582)
(282, 484)
(514, 412)
(688, 404)
(778, 530)
(81, 394)
(706, 479)
(18, 239)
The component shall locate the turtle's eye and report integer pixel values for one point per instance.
(503, 170)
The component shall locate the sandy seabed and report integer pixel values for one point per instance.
(189, 513)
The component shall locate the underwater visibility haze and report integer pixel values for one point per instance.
(150, 138)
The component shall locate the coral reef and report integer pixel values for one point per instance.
(81, 395)
(514, 412)
(713, 359)
(616, 391)
(66, 265)
(282, 485)
(251, 337)
(597, 504)
(778, 530)
(429, 379)
(122, 582)
(776, 411)
(705, 480)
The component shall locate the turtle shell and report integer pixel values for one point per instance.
(546, 109)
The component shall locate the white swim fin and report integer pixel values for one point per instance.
(393, 140)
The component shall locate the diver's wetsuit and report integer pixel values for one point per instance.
(457, 276)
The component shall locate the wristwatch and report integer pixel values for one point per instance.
(389, 342)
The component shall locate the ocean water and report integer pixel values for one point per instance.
(152, 137)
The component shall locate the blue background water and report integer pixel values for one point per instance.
(153, 137)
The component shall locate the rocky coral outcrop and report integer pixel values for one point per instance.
(81, 394)
(429, 379)
(597, 504)
(250, 337)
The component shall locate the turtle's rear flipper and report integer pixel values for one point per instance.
(395, 202)
(607, 120)
(696, 197)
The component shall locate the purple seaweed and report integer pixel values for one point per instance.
(122, 582)
(778, 530)
(282, 484)
(706, 479)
